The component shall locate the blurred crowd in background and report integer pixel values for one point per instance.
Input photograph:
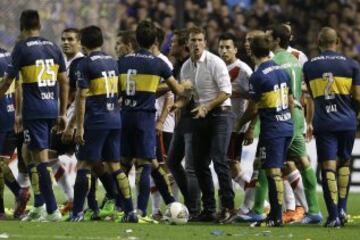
(216, 16)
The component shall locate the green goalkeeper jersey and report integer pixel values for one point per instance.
(292, 65)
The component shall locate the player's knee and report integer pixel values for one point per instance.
(83, 165)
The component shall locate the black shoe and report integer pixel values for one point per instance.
(204, 216)
(332, 223)
(227, 216)
(268, 222)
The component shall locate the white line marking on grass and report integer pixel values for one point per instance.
(28, 236)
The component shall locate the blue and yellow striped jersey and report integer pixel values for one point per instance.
(39, 61)
(140, 74)
(98, 73)
(330, 77)
(269, 88)
(7, 108)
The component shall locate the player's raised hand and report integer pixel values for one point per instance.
(200, 111)
(79, 136)
(309, 132)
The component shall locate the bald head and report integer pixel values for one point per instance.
(327, 39)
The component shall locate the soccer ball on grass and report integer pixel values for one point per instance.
(176, 213)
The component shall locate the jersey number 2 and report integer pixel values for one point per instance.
(329, 77)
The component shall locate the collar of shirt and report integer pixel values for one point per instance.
(201, 59)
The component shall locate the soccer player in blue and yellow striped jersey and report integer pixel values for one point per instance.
(140, 74)
(98, 122)
(333, 81)
(42, 68)
(271, 98)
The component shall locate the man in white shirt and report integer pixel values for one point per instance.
(213, 124)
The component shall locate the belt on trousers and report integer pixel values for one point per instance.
(222, 108)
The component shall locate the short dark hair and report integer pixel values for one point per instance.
(91, 37)
(128, 37)
(183, 36)
(72, 30)
(260, 46)
(146, 34)
(282, 32)
(29, 20)
(229, 36)
(160, 36)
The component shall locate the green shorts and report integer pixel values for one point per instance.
(297, 146)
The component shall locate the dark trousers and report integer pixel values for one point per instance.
(180, 146)
(211, 137)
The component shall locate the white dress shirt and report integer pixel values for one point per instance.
(209, 76)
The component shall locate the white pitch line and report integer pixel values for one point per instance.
(28, 236)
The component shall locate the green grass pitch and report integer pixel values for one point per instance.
(115, 231)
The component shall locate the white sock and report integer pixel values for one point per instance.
(155, 197)
(296, 183)
(289, 197)
(23, 180)
(62, 179)
(240, 180)
(249, 196)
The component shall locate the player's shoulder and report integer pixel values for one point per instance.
(244, 67)
(166, 60)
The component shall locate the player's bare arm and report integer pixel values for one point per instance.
(80, 112)
(5, 84)
(179, 89)
(18, 109)
(169, 101)
(64, 94)
(249, 114)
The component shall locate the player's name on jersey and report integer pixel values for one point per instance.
(328, 58)
(140, 55)
(96, 57)
(331, 108)
(2, 55)
(38, 42)
(282, 66)
(283, 117)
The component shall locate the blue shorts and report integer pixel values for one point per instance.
(138, 136)
(37, 133)
(334, 145)
(8, 142)
(273, 152)
(100, 145)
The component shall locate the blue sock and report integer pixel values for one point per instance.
(162, 183)
(108, 183)
(276, 194)
(124, 190)
(46, 187)
(144, 187)
(343, 185)
(330, 192)
(13, 186)
(34, 179)
(91, 196)
(81, 189)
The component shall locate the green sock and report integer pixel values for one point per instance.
(261, 190)
(309, 181)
